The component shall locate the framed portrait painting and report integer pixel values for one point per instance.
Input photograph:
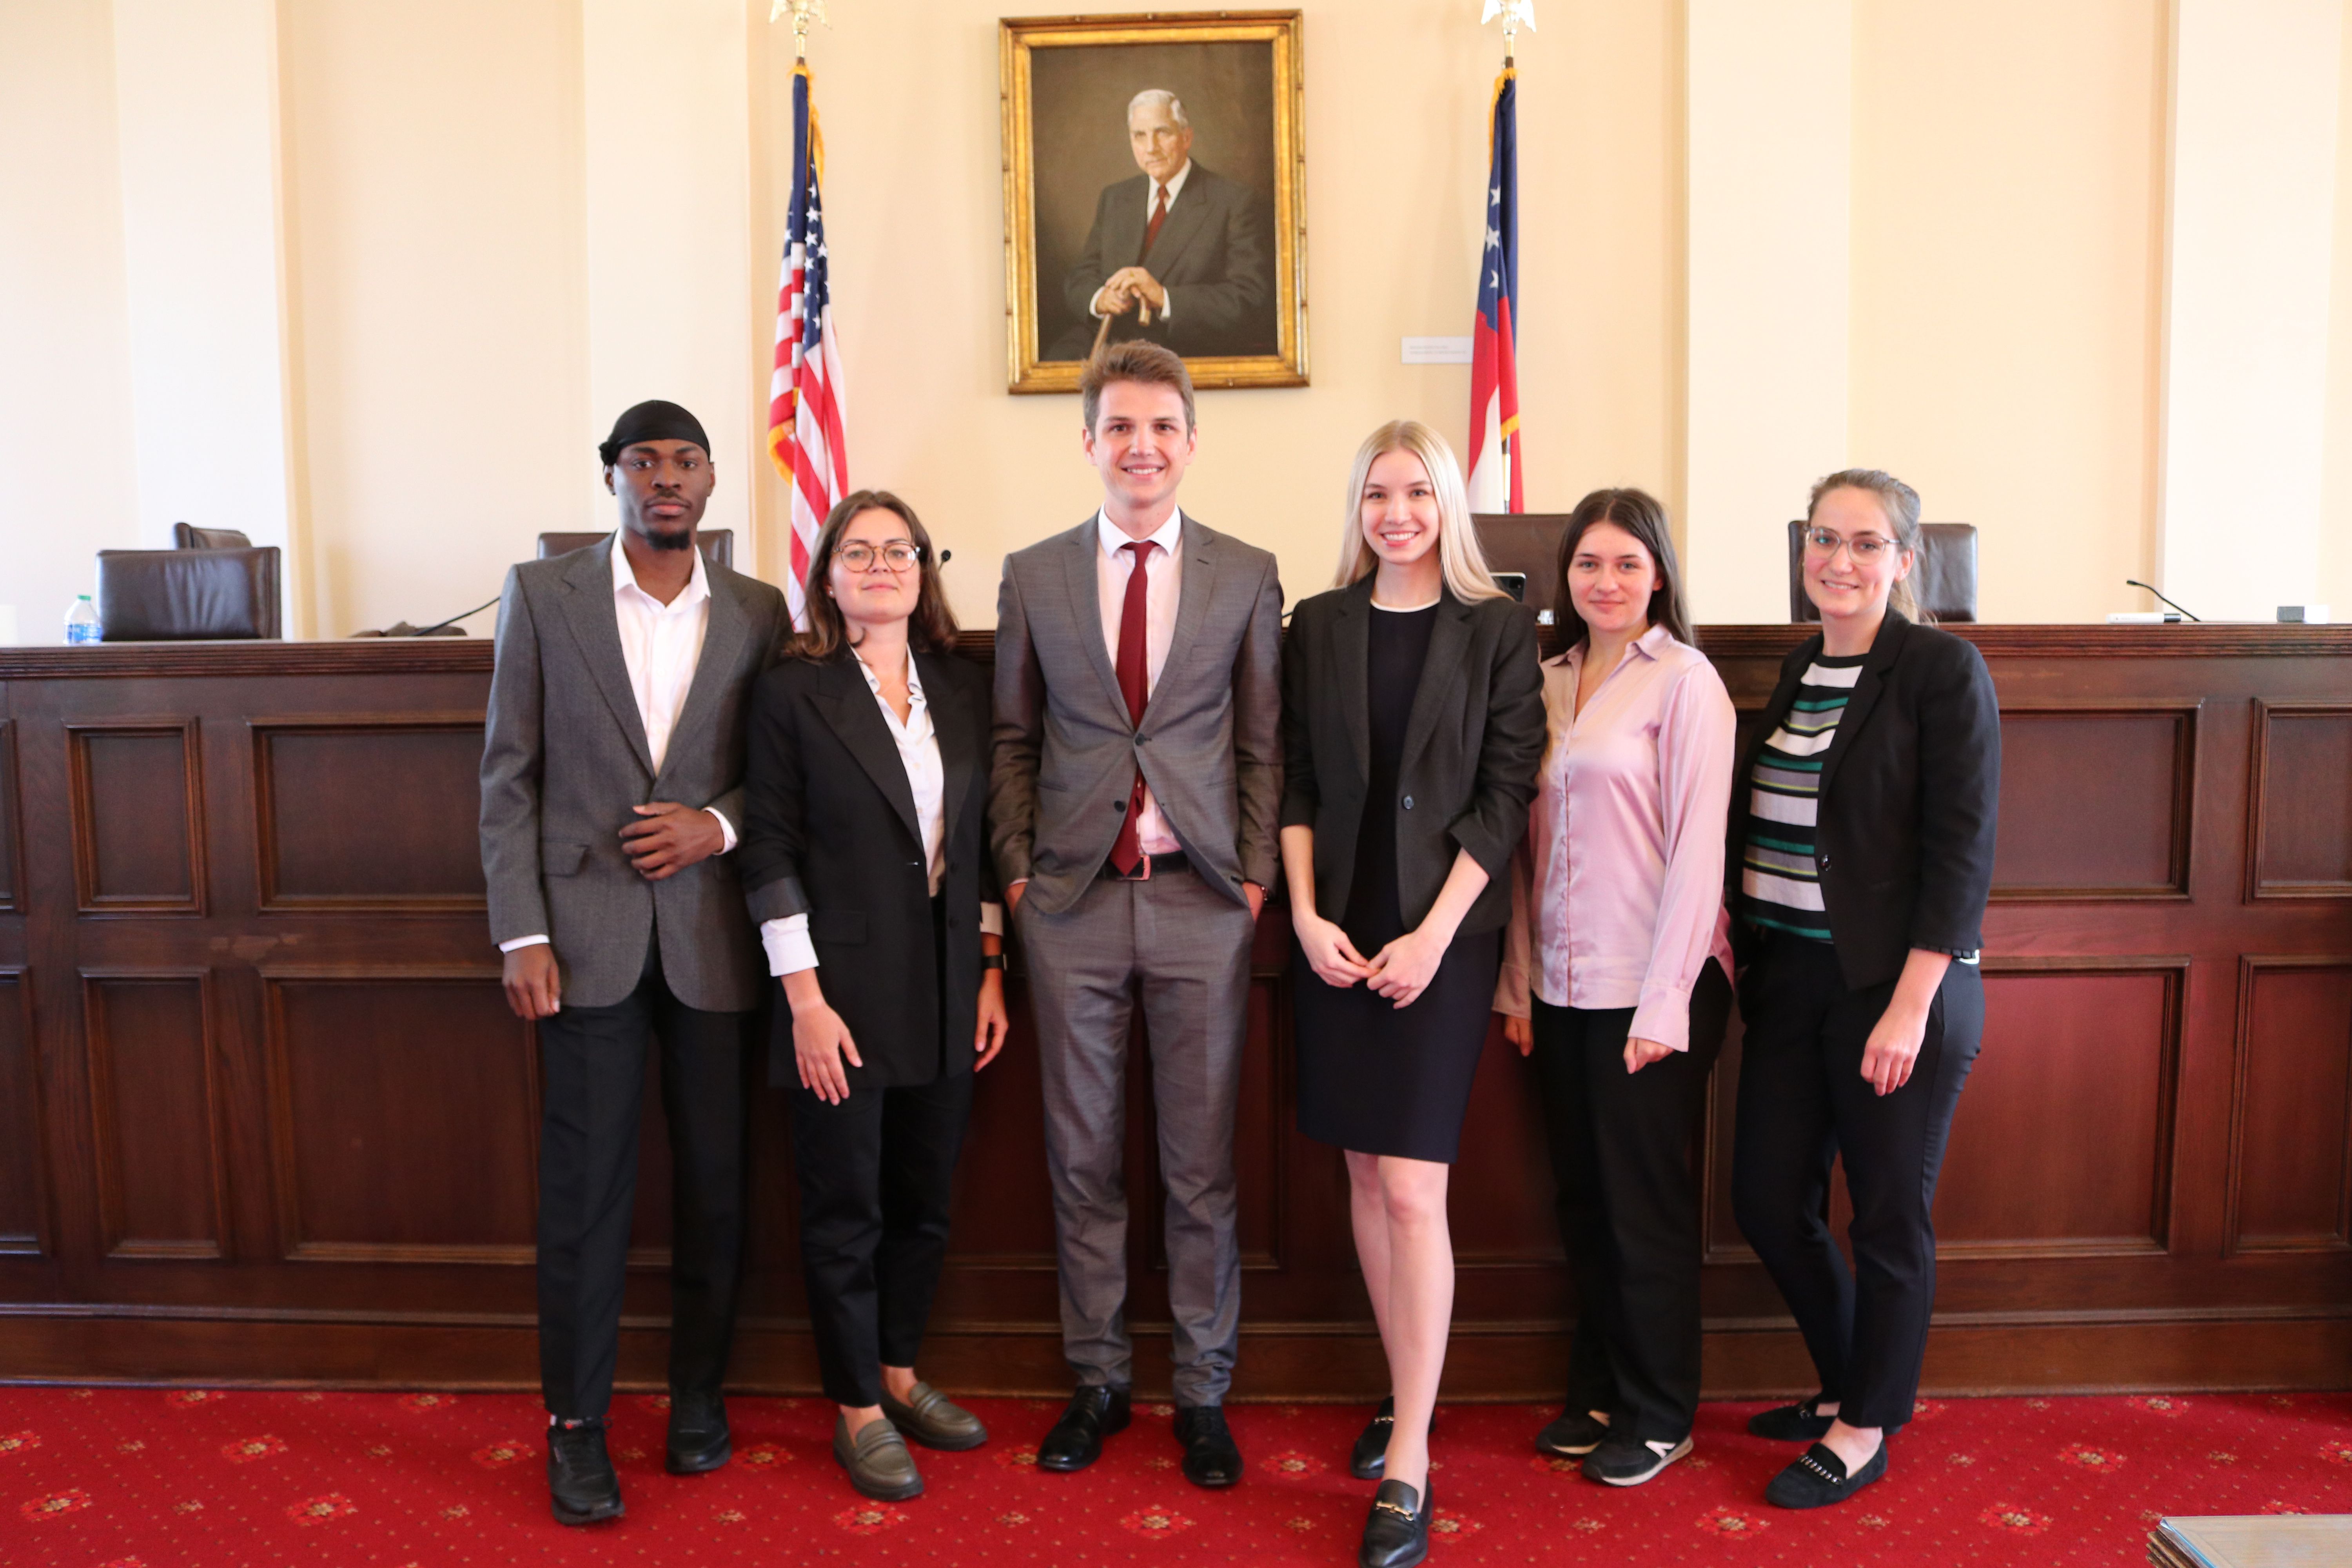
(1155, 187)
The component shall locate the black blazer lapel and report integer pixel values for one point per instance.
(1884, 650)
(1080, 574)
(1193, 595)
(960, 744)
(849, 707)
(723, 636)
(1449, 643)
(1351, 627)
(596, 630)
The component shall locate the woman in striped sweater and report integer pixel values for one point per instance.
(1861, 854)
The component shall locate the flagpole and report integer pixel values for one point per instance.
(805, 14)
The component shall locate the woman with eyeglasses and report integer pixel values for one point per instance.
(1862, 834)
(865, 861)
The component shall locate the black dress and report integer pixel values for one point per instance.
(1374, 1078)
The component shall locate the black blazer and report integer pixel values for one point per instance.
(1910, 786)
(830, 831)
(1471, 744)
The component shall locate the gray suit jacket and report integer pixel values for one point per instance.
(1214, 256)
(566, 757)
(1209, 744)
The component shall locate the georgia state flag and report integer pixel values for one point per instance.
(1494, 479)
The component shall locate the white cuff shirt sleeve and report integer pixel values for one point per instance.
(789, 948)
(991, 919)
(538, 941)
(726, 830)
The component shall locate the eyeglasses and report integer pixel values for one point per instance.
(1865, 548)
(898, 555)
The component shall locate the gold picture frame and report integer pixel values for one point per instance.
(1240, 251)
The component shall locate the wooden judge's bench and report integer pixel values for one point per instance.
(265, 1116)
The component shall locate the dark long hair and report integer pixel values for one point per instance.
(1644, 516)
(931, 629)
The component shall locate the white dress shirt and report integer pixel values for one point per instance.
(787, 940)
(661, 644)
(1161, 589)
(1150, 200)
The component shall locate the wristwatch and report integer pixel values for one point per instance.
(992, 961)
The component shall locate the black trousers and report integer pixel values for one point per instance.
(1803, 1102)
(1628, 1204)
(593, 1073)
(876, 1174)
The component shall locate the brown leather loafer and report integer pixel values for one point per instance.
(934, 1420)
(877, 1460)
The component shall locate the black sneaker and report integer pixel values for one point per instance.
(581, 1485)
(1797, 1423)
(1576, 1434)
(1819, 1479)
(1624, 1462)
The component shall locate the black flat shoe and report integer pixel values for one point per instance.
(1396, 1535)
(1371, 1454)
(1094, 1413)
(1623, 1462)
(1818, 1478)
(581, 1485)
(1576, 1434)
(1797, 1423)
(1211, 1457)
(699, 1441)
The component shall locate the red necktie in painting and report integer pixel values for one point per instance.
(1159, 216)
(1134, 681)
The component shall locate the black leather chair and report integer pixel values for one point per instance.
(1945, 575)
(718, 544)
(1527, 543)
(167, 595)
(188, 536)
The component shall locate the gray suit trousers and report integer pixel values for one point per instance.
(1183, 948)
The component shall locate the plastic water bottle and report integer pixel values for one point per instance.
(81, 621)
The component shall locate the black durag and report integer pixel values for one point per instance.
(654, 421)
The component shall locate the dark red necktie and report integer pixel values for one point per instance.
(1134, 684)
(1159, 216)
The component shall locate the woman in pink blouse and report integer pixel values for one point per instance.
(1619, 946)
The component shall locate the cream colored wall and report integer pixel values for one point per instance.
(470, 291)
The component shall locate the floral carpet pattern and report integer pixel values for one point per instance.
(153, 1479)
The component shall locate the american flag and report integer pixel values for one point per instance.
(1494, 479)
(805, 396)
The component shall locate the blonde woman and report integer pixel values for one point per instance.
(1412, 724)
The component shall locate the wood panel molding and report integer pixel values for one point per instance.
(2329, 1113)
(2075, 830)
(92, 823)
(2333, 788)
(12, 821)
(24, 1133)
(395, 840)
(201, 1192)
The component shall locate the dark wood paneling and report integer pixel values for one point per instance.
(163, 1185)
(138, 817)
(355, 817)
(2064, 1148)
(2291, 1116)
(404, 1116)
(2126, 772)
(12, 851)
(2300, 841)
(22, 1211)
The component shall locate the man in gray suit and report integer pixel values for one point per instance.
(1133, 806)
(1177, 254)
(612, 785)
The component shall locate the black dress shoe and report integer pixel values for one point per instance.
(580, 1480)
(1574, 1434)
(1211, 1457)
(1094, 1413)
(1819, 1479)
(1396, 1535)
(1797, 1423)
(699, 1441)
(1371, 1454)
(1624, 1462)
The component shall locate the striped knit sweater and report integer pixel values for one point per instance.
(1779, 881)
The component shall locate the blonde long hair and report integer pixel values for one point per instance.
(1466, 576)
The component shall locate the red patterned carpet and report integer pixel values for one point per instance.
(116, 1478)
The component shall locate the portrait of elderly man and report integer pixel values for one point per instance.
(1177, 254)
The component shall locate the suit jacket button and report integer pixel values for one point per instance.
(1825, 862)
(1408, 803)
